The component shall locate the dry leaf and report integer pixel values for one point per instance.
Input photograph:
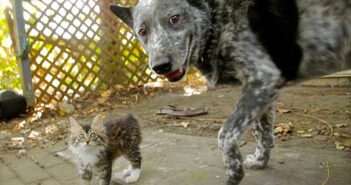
(283, 128)
(51, 129)
(181, 124)
(283, 111)
(347, 143)
(345, 135)
(278, 130)
(34, 135)
(160, 130)
(90, 111)
(184, 124)
(22, 152)
(341, 125)
(61, 113)
(65, 107)
(306, 135)
(338, 145)
(301, 131)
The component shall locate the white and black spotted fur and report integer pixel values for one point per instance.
(263, 43)
(96, 146)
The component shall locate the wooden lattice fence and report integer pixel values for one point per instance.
(78, 46)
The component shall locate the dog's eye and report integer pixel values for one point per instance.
(92, 135)
(81, 136)
(174, 19)
(142, 32)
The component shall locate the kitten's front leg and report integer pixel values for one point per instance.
(85, 174)
(104, 170)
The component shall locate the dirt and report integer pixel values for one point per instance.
(309, 110)
(318, 117)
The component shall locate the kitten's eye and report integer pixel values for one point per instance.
(174, 19)
(81, 136)
(92, 135)
(142, 32)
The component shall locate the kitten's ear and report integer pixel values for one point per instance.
(98, 123)
(124, 13)
(75, 126)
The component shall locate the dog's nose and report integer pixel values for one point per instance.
(162, 65)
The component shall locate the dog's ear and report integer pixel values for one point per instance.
(124, 13)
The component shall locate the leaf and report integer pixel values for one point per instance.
(284, 128)
(307, 135)
(341, 125)
(347, 143)
(181, 124)
(278, 130)
(61, 112)
(184, 124)
(301, 131)
(338, 145)
(283, 111)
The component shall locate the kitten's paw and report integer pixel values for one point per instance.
(253, 162)
(134, 176)
(126, 172)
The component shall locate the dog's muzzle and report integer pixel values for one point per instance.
(180, 73)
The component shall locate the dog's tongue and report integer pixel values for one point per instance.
(174, 74)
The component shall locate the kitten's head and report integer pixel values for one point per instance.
(89, 135)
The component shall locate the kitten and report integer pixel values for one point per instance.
(96, 146)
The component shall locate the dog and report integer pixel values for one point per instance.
(263, 43)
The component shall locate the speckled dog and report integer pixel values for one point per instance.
(263, 43)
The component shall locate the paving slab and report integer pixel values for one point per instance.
(5, 173)
(12, 182)
(63, 172)
(171, 159)
(27, 170)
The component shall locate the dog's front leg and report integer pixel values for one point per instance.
(258, 94)
(265, 141)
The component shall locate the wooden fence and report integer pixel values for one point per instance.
(78, 46)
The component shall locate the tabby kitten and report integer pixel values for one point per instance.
(97, 145)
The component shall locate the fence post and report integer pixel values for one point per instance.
(22, 47)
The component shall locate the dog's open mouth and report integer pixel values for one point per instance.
(180, 73)
(177, 75)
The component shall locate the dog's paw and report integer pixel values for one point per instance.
(134, 176)
(253, 162)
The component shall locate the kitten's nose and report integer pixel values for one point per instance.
(87, 140)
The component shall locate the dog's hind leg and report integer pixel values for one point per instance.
(265, 141)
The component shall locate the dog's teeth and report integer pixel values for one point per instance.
(181, 70)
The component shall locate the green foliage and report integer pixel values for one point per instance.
(9, 75)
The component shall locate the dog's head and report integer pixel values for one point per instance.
(169, 30)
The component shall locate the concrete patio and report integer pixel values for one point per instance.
(170, 159)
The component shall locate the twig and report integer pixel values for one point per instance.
(328, 175)
(323, 121)
(206, 119)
